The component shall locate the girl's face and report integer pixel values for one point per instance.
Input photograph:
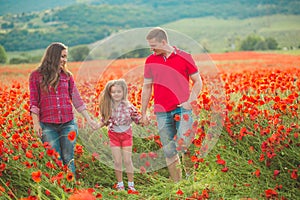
(63, 58)
(117, 93)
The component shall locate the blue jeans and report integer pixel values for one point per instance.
(57, 136)
(175, 134)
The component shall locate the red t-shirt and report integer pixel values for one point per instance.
(170, 78)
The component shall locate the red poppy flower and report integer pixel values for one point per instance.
(294, 174)
(142, 170)
(29, 154)
(197, 142)
(179, 192)
(194, 158)
(72, 135)
(186, 117)
(225, 169)
(132, 192)
(50, 152)
(143, 155)
(205, 194)
(16, 157)
(82, 194)
(152, 155)
(47, 192)
(2, 189)
(36, 176)
(2, 167)
(147, 164)
(177, 117)
(257, 173)
(220, 161)
(276, 173)
(70, 176)
(270, 193)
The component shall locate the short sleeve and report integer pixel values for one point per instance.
(191, 65)
(147, 70)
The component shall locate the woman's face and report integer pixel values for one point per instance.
(63, 58)
(117, 93)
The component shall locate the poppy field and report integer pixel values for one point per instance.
(251, 151)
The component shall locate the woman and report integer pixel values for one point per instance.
(52, 93)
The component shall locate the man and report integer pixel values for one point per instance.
(168, 71)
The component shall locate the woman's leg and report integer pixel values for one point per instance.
(50, 134)
(68, 133)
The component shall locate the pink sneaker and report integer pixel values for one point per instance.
(131, 188)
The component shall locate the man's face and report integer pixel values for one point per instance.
(157, 47)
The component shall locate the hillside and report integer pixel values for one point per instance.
(219, 35)
(85, 22)
(25, 6)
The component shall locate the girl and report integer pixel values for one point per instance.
(117, 114)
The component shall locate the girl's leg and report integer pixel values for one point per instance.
(127, 154)
(117, 157)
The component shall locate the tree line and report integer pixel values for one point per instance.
(80, 53)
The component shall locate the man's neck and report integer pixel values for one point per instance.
(169, 51)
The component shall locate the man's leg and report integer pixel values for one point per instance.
(175, 171)
(167, 131)
(185, 137)
(187, 163)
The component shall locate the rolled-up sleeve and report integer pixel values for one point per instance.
(34, 93)
(75, 97)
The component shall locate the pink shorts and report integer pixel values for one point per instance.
(123, 139)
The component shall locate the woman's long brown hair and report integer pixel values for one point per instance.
(50, 68)
(106, 99)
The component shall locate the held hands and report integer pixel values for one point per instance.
(144, 120)
(95, 125)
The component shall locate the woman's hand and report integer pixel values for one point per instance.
(36, 125)
(38, 129)
(95, 125)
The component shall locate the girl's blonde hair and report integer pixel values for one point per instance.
(106, 99)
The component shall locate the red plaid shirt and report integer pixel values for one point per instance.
(55, 106)
(123, 116)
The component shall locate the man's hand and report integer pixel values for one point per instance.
(186, 105)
